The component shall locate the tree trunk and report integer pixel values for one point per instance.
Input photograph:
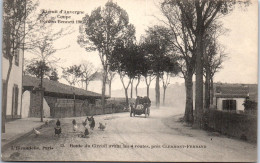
(147, 90)
(5, 93)
(41, 87)
(131, 95)
(157, 91)
(211, 91)
(126, 96)
(188, 116)
(136, 90)
(207, 90)
(104, 89)
(164, 91)
(110, 85)
(199, 82)
(86, 82)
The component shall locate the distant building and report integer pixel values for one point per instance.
(230, 96)
(58, 99)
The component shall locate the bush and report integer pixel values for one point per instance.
(243, 126)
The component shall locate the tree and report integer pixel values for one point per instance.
(72, 74)
(15, 14)
(183, 43)
(146, 69)
(38, 69)
(88, 73)
(158, 46)
(123, 61)
(99, 32)
(212, 64)
(171, 69)
(110, 77)
(197, 16)
(40, 43)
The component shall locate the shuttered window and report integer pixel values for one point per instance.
(15, 100)
(4, 98)
(229, 105)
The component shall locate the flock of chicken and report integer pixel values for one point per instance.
(90, 120)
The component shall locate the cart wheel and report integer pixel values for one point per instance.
(146, 112)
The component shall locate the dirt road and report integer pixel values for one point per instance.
(126, 138)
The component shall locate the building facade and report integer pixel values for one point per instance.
(231, 97)
(13, 97)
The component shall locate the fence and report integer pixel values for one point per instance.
(65, 108)
(243, 126)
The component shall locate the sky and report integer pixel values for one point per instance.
(240, 42)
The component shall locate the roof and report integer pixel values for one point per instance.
(232, 91)
(56, 88)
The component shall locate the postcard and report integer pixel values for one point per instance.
(140, 80)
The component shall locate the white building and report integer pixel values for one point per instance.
(14, 89)
(11, 101)
(231, 97)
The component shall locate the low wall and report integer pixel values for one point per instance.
(242, 126)
(83, 108)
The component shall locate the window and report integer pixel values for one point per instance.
(229, 105)
(4, 98)
(15, 100)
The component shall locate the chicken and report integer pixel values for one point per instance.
(86, 133)
(84, 123)
(101, 126)
(74, 122)
(75, 127)
(47, 123)
(91, 122)
(57, 130)
(89, 118)
(36, 132)
(58, 123)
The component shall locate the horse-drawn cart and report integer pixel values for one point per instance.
(142, 106)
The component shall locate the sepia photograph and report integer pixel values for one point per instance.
(128, 81)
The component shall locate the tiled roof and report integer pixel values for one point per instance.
(232, 91)
(56, 87)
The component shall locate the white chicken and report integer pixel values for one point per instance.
(36, 132)
(101, 126)
(47, 123)
(75, 127)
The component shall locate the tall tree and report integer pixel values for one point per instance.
(197, 16)
(158, 46)
(123, 60)
(184, 45)
(99, 32)
(88, 73)
(110, 77)
(72, 74)
(212, 64)
(171, 69)
(38, 69)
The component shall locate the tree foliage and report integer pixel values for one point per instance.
(71, 74)
(100, 32)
